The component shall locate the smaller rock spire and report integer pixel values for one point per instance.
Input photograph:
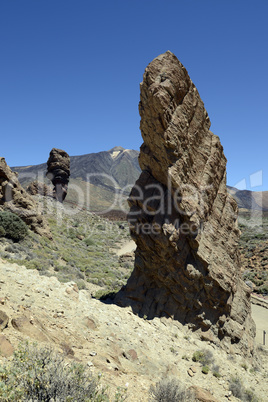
(58, 171)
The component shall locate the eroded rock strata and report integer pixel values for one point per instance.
(15, 199)
(182, 219)
(58, 171)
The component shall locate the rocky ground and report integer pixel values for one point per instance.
(129, 351)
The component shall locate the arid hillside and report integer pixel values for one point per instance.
(54, 292)
(131, 352)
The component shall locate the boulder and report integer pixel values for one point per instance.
(3, 320)
(201, 395)
(31, 327)
(15, 199)
(182, 219)
(58, 171)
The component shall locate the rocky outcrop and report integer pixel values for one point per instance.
(58, 171)
(39, 188)
(15, 199)
(3, 320)
(182, 219)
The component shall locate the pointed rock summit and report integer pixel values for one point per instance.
(182, 219)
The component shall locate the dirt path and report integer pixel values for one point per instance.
(127, 248)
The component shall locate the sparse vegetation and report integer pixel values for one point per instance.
(12, 226)
(170, 390)
(239, 391)
(216, 371)
(173, 350)
(205, 357)
(42, 375)
(205, 369)
(104, 295)
(80, 250)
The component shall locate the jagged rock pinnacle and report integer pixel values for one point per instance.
(182, 219)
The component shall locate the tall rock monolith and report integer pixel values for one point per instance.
(182, 219)
(58, 171)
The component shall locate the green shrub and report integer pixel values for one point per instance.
(2, 231)
(104, 294)
(41, 375)
(263, 290)
(12, 226)
(216, 371)
(205, 369)
(72, 233)
(81, 284)
(101, 227)
(238, 390)
(197, 356)
(205, 357)
(236, 387)
(89, 242)
(169, 390)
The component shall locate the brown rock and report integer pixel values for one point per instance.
(208, 336)
(15, 199)
(73, 291)
(6, 349)
(190, 372)
(202, 395)
(30, 327)
(37, 187)
(131, 354)
(58, 171)
(3, 320)
(193, 369)
(182, 219)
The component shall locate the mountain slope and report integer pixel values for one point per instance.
(115, 168)
(256, 200)
(108, 174)
(98, 181)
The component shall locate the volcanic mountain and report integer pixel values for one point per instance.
(115, 171)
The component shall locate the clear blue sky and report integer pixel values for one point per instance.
(70, 74)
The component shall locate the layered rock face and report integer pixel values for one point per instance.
(15, 199)
(182, 219)
(58, 171)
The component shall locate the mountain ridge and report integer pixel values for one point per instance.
(87, 167)
(117, 170)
